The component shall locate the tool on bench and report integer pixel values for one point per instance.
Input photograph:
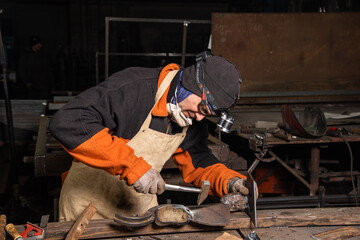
(336, 131)
(11, 230)
(178, 215)
(32, 232)
(252, 236)
(237, 202)
(203, 191)
(251, 210)
(2, 227)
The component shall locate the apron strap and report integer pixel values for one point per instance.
(161, 90)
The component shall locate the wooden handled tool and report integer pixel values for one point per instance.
(11, 230)
(203, 191)
(2, 227)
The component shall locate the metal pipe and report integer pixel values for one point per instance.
(97, 68)
(292, 171)
(148, 54)
(148, 20)
(156, 20)
(314, 170)
(8, 109)
(106, 47)
(186, 24)
(171, 187)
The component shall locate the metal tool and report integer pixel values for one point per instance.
(33, 232)
(11, 230)
(238, 202)
(2, 227)
(251, 210)
(178, 215)
(252, 236)
(203, 191)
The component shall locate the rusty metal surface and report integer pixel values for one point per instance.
(214, 215)
(308, 57)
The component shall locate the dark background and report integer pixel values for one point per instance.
(73, 32)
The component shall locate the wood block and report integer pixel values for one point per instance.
(338, 234)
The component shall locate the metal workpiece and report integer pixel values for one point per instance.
(179, 215)
(252, 198)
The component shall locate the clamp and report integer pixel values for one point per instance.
(33, 232)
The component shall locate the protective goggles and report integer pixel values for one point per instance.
(205, 109)
(208, 106)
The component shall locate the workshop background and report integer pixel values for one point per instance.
(74, 39)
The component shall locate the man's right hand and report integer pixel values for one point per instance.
(150, 182)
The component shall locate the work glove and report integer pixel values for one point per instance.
(238, 185)
(150, 182)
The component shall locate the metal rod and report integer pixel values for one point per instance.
(148, 20)
(290, 170)
(106, 47)
(300, 93)
(8, 109)
(186, 24)
(314, 170)
(253, 165)
(97, 67)
(171, 187)
(157, 20)
(148, 54)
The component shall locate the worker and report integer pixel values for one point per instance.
(122, 131)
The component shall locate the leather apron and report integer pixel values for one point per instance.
(110, 195)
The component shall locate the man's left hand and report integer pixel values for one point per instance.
(238, 185)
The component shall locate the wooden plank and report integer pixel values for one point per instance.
(309, 217)
(338, 234)
(218, 235)
(296, 57)
(102, 228)
(293, 233)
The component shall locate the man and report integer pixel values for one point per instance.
(122, 131)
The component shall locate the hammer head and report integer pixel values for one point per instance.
(205, 187)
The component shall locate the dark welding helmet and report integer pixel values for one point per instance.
(217, 81)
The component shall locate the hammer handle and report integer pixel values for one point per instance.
(2, 227)
(170, 187)
(11, 230)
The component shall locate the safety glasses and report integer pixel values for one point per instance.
(205, 109)
(204, 106)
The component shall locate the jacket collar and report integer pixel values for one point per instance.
(160, 108)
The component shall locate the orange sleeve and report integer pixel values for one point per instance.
(111, 154)
(218, 174)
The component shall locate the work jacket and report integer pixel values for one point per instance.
(95, 126)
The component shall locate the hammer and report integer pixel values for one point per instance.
(203, 191)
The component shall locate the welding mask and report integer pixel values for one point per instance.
(208, 105)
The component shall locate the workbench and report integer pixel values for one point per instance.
(296, 224)
(266, 147)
